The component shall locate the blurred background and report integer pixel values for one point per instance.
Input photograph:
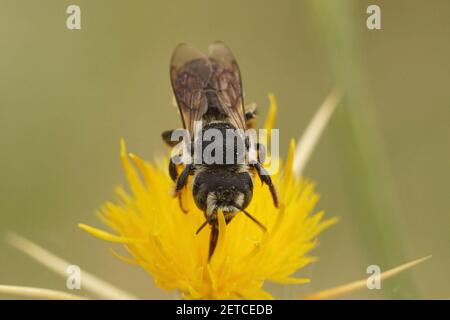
(68, 96)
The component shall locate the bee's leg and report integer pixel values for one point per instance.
(261, 152)
(250, 114)
(166, 136)
(265, 178)
(173, 168)
(181, 183)
(181, 204)
(183, 178)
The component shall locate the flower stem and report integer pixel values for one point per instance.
(374, 207)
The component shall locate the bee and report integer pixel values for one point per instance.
(208, 88)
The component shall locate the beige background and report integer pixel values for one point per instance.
(66, 97)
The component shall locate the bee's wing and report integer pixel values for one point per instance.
(226, 80)
(190, 72)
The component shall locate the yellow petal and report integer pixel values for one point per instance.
(122, 258)
(106, 235)
(289, 162)
(271, 115)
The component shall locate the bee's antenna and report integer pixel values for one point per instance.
(201, 227)
(213, 237)
(252, 218)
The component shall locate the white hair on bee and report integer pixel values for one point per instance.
(211, 203)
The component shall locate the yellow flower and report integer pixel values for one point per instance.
(161, 238)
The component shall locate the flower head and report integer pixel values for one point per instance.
(162, 238)
(150, 225)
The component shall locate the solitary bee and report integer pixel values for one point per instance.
(209, 89)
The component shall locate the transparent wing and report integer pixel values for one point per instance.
(226, 80)
(190, 72)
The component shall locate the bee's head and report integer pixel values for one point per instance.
(223, 190)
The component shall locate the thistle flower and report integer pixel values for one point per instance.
(162, 239)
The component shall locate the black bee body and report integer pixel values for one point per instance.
(222, 181)
(208, 90)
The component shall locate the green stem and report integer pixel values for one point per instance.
(374, 208)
